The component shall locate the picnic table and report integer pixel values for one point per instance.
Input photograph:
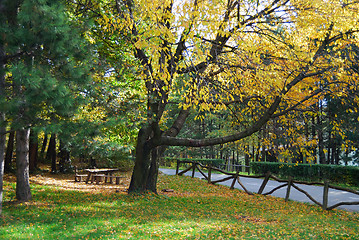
(98, 173)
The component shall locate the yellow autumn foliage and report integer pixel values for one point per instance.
(240, 56)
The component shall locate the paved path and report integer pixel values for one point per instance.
(253, 184)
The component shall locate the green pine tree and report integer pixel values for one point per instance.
(47, 71)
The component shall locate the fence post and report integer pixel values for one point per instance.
(177, 167)
(264, 183)
(235, 179)
(290, 180)
(209, 173)
(325, 195)
(193, 168)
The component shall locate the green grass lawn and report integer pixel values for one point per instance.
(195, 210)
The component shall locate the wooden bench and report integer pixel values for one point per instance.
(79, 177)
(98, 178)
(116, 178)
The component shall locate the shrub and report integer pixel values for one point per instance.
(314, 172)
(205, 161)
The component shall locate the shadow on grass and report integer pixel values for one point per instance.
(219, 213)
(59, 214)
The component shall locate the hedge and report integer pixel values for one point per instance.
(204, 161)
(313, 172)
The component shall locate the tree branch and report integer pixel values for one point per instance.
(181, 44)
(172, 141)
(292, 108)
(257, 125)
(178, 123)
(221, 39)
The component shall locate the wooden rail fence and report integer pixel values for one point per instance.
(286, 183)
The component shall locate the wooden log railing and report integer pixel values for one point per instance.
(289, 183)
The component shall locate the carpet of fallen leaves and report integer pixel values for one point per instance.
(185, 208)
(67, 182)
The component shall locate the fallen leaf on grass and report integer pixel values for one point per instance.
(167, 190)
(254, 220)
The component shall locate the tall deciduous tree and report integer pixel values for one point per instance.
(257, 59)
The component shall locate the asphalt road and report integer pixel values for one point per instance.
(253, 184)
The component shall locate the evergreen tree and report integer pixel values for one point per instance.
(2, 99)
(46, 70)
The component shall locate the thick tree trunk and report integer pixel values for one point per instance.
(145, 172)
(151, 183)
(141, 169)
(9, 152)
(23, 192)
(33, 151)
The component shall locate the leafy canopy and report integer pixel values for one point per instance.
(257, 59)
(47, 68)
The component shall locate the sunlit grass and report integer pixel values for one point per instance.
(195, 210)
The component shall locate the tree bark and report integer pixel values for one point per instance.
(2, 151)
(9, 151)
(142, 162)
(247, 159)
(320, 142)
(145, 172)
(43, 147)
(337, 154)
(23, 192)
(33, 151)
(329, 147)
(64, 155)
(2, 114)
(93, 163)
(151, 184)
(51, 152)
